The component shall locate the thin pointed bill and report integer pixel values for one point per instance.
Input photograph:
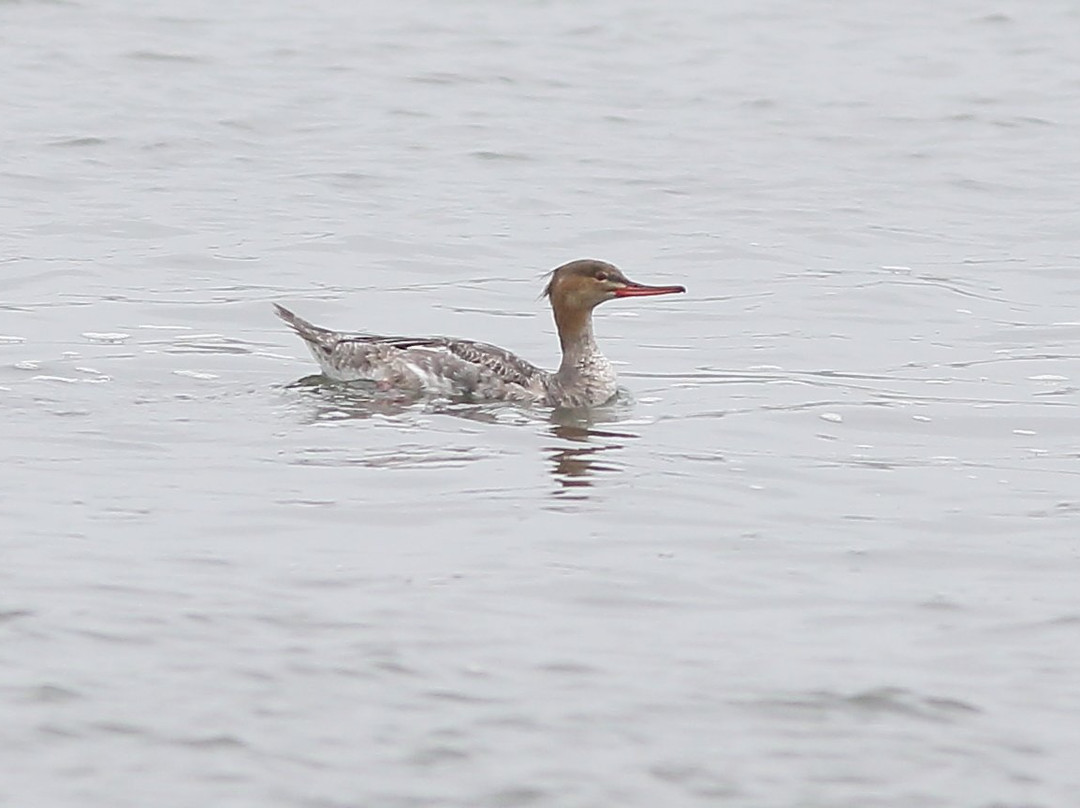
(641, 290)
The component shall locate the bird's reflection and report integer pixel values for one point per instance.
(584, 438)
(585, 452)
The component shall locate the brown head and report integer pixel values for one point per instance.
(575, 289)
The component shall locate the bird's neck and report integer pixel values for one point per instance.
(576, 338)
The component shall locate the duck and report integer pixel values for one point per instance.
(477, 371)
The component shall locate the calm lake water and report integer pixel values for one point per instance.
(823, 552)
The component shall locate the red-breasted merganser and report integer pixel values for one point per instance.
(476, 370)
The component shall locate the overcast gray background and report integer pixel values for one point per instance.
(822, 554)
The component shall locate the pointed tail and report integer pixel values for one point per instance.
(309, 331)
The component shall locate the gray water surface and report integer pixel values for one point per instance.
(823, 551)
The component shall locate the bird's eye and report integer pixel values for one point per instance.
(601, 276)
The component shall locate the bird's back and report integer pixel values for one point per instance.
(440, 365)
